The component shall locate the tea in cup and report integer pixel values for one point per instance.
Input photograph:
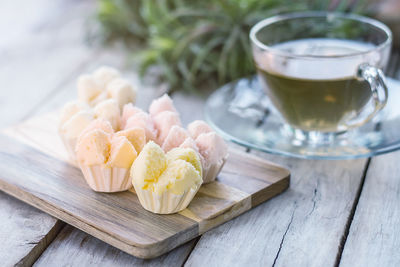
(323, 71)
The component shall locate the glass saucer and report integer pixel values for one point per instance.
(243, 114)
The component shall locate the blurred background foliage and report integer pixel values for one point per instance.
(197, 45)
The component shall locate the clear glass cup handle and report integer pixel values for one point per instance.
(376, 80)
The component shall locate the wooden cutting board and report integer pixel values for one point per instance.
(35, 169)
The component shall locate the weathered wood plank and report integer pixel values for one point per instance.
(25, 231)
(376, 219)
(301, 227)
(374, 236)
(38, 53)
(73, 247)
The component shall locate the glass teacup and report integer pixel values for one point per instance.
(322, 71)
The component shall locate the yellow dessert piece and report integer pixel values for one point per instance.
(175, 173)
(148, 166)
(93, 148)
(136, 135)
(186, 154)
(122, 153)
(178, 177)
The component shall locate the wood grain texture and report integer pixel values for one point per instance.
(41, 47)
(374, 236)
(302, 227)
(136, 231)
(24, 233)
(73, 247)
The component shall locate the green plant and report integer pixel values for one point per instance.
(197, 44)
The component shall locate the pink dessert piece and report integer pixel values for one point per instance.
(93, 147)
(212, 147)
(161, 104)
(198, 127)
(176, 136)
(163, 122)
(143, 120)
(128, 111)
(189, 143)
(99, 124)
(214, 152)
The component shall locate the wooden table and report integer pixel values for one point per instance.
(343, 213)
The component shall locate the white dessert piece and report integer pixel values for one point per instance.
(109, 110)
(122, 91)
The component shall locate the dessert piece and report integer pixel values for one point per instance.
(88, 89)
(142, 120)
(128, 111)
(199, 136)
(186, 154)
(163, 122)
(105, 83)
(105, 157)
(73, 119)
(176, 136)
(101, 95)
(109, 110)
(93, 148)
(135, 135)
(70, 109)
(122, 91)
(122, 152)
(100, 124)
(166, 183)
(105, 75)
(76, 116)
(149, 165)
(214, 152)
(190, 143)
(198, 127)
(178, 178)
(161, 104)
